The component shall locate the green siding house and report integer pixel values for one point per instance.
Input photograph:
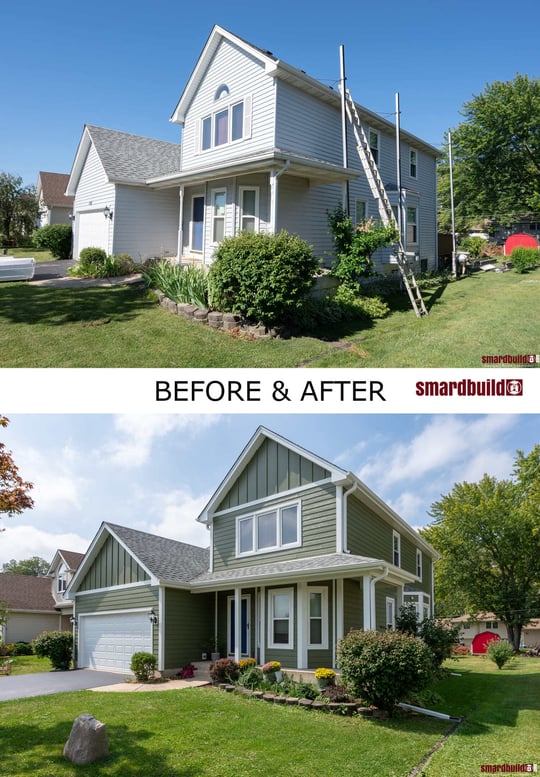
(301, 551)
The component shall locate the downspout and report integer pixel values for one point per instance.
(372, 583)
(344, 548)
(274, 194)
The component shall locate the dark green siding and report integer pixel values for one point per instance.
(272, 470)
(189, 625)
(318, 658)
(353, 605)
(318, 527)
(367, 534)
(408, 555)
(112, 566)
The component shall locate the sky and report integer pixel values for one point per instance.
(123, 65)
(156, 473)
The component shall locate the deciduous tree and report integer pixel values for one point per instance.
(19, 209)
(35, 566)
(14, 497)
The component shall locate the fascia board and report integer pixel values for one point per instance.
(78, 163)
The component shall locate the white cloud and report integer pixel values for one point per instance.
(175, 517)
(58, 488)
(23, 541)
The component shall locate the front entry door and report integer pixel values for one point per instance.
(244, 626)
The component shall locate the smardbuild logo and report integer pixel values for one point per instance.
(510, 387)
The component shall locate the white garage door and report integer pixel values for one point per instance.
(109, 641)
(93, 231)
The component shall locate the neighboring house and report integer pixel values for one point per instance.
(114, 208)
(63, 566)
(301, 551)
(476, 631)
(55, 206)
(262, 151)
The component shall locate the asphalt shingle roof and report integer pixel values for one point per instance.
(132, 158)
(53, 187)
(26, 592)
(168, 560)
(71, 558)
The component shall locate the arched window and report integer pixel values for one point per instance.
(222, 91)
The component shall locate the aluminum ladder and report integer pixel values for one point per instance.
(385, 207)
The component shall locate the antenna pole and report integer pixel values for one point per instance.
(398, 171)
(451, 166)
(343, 80)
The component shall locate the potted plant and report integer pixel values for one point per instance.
(213, 649)
(272, 671)
(325, 677)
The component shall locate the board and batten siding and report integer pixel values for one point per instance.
(145, 222)
(189, 624)
(245, 77)
(318, 529)
(273, 469)
(113, 566)
(94, 192)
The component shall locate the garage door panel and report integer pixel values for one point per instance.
(93, 230)
(109, 641)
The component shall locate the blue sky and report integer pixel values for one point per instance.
(123, 65)
(157, 472)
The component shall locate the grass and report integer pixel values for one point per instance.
(39, 254)
(486, 314)
(29, 665)
(207, 733)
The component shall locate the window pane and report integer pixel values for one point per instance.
(220, 200)
(207, 133)
(266, 530)
(248, 202)
(315, 605)
(289, 525)
(197, 224)
(245, 529)
(281, 632)
(248, 224)
(315, 631)
(360, 211)
(237, 121)
(221, 133)
(281, 605)
(218, 233)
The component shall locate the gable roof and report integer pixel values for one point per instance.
(126, 158)
(26, 592)
(70, 558)
(52, 187)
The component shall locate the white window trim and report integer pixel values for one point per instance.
(280, 645)
(411, 152)
(375, 132)
(366, 209)
(390, 600)
(191, 223)
(220, 107)
(280, 546)
(312, 589)
(247, 597)
(419, 563)
(220, 190)
(241, 191)
(416, 210)
(396, 535)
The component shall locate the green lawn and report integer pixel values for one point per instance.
(29, 665)
(207, 733)
(486, 314)
(39, 254)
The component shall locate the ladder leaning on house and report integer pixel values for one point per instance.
(385, 208)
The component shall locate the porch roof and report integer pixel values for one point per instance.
(316, 170)
(316, 567)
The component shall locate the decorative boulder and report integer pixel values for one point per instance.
(87, 742)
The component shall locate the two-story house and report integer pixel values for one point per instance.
(301, 551)
(261, 150)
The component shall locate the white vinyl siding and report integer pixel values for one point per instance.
(145, 222)
(93, 193)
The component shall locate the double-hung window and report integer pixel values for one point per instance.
(360, 212)
(249, 209)
(61, 580)
(219, 206)
(374, 144)
(268, 530)
(419, 563)
(317, 617)
(280, 618)
(412, 225)
(396, 549)
(412, 163)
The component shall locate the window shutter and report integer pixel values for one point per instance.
(247, 116)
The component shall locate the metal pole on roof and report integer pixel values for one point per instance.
(343, 80)
(398, 171)
(451, 166)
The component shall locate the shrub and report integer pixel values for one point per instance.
(384, 667)
(407, 619)
(524, 259)
(181, 283)
(92, 255)
(360, 305)
(439, 637)
(143, 666)
(55, 238)
(224, 670)
(94, 263)
(475, 246)
(262, 277)
(22, 649)
(57, 646)
(500, 652)
(251, 677)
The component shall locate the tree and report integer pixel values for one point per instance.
(56, 238)
(496, 153)
(19, 209)
(14, 496)
(488, 535)
(35, 566)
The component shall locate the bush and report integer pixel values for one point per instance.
(500, 652)
(55, 238)
(383, 668)
(251, 678)
(224, 670)
(57, 646)
(181, 283)
(360, 305)
(94, 263)
(475, 246)
(143, 665)
(407, 619)
(262, 277)
(22, 649)
(439, 637)
(524, 259)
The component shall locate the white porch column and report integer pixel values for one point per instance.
(237, 624)
(366, 590)
(301, 625)
(274, 187)
(180, 225)
(262, 628)
(161, 627)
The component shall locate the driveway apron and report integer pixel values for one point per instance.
(25, 685)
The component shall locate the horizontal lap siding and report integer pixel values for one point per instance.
(146, 222)
(318, 510)
(307, 126)
(189, 625)
(93, 193)
(302, 210)
(244, 76)
(114, 566)
(353, 605)
(367, 534)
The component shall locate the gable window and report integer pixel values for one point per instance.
(61, 580)
(412, 163)
(396, 549)
(249, 209)
(412, 225)
(206, 133)
(360, 212)
(280, 618)
(229, 124)
(237, 121)
(419, 563)
(318, 618)
(374, 145)
(221, 128)
(268, 530)
(219, 205)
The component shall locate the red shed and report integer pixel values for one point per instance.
(519, 239)
(481, 642)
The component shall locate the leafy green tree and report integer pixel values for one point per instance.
(13, 489)
(55, 238)
(488, 535)
(35, 566)
(496, 153)
(19, 209)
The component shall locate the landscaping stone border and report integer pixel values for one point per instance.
(337, 708)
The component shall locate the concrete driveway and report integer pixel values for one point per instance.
(22, 686)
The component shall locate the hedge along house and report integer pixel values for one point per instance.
(301, 551)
